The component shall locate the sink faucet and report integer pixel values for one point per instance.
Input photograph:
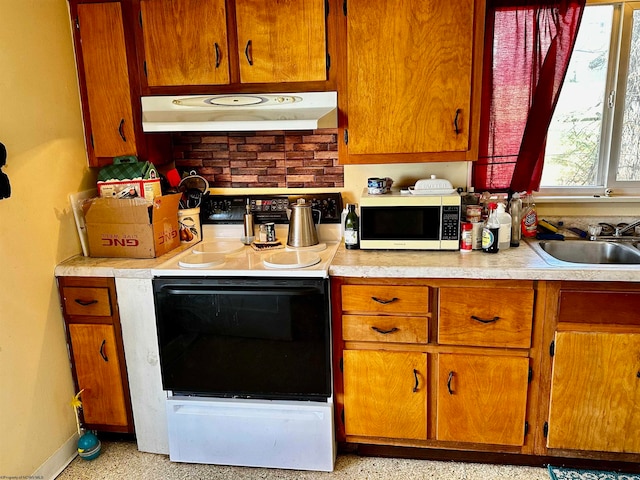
(621, 230)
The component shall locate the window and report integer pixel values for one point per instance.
(593, 142)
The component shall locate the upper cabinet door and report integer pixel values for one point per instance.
(281, 41)
(106, 76)
(185, 42)
(410, 76)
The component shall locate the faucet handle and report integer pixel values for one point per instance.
(594, 231)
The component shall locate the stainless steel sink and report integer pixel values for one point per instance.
(595, 252)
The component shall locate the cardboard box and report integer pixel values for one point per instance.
(129, 178)
(132, 227)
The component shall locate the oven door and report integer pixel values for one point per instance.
(244, 337)
(422, 227)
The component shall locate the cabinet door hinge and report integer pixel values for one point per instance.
(326, 8)
(341, 365)
(530, 375)
(526, 428)
(140, 19)
(552, 348)
(545, 429)
(342, 416)
(144, 67)
(77, 23)
(344, 7)
(91, 138)
(346, 136)
(328, 62)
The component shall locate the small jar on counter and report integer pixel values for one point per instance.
(466, 238)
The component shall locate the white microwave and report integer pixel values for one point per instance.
(407, 221)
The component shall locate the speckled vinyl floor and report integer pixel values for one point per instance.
(122, 460)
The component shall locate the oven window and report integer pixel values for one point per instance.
(263, 338)
(400, 223)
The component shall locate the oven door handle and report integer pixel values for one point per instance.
(241, 291)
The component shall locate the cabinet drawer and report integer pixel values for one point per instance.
(487, 317)
(385, 299)
(372, 328)
(88, 301)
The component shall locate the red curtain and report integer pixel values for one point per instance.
(526, 53)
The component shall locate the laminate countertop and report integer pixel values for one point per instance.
(521, 263)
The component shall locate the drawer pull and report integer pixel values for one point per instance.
(102, 354)
(385, 332)
(483, 320)
(217, 49)
(415, 376)
(384, 302)
(85, 303)
(449, 380)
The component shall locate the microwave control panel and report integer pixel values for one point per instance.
(450, 222)
(230, 209)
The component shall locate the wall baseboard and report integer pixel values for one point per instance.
(57, 462)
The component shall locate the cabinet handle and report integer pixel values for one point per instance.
(449, 380)
(385, 332)
(455, 121)
(484, 320)
(85, 303)
(121, 130)
(384, 302)
(102, 354)
(249, 53)
(215, 45)
(415, 376)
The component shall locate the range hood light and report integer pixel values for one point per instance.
(240, 112)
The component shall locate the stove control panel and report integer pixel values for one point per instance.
(230, 209)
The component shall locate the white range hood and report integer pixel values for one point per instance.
(240, 112)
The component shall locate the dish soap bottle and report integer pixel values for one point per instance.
(351, 228)
(491, 230)
(529, 220)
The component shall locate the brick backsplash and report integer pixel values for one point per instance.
(280, 159)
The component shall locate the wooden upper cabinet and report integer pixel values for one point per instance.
(185, 42)
(595, 392)
(281, 41)
(103, 54)
(413, 69)
(199, 43)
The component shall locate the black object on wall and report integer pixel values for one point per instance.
(5, 188)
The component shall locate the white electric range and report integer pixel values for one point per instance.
(245, 341)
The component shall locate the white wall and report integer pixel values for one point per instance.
(40, 125)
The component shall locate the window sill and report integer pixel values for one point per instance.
(599, 199)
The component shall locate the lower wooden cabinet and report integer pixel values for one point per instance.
(595, 392)
(92, 322)
(482, 398)
(385, 394)
(433, 363)
(594, 402)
